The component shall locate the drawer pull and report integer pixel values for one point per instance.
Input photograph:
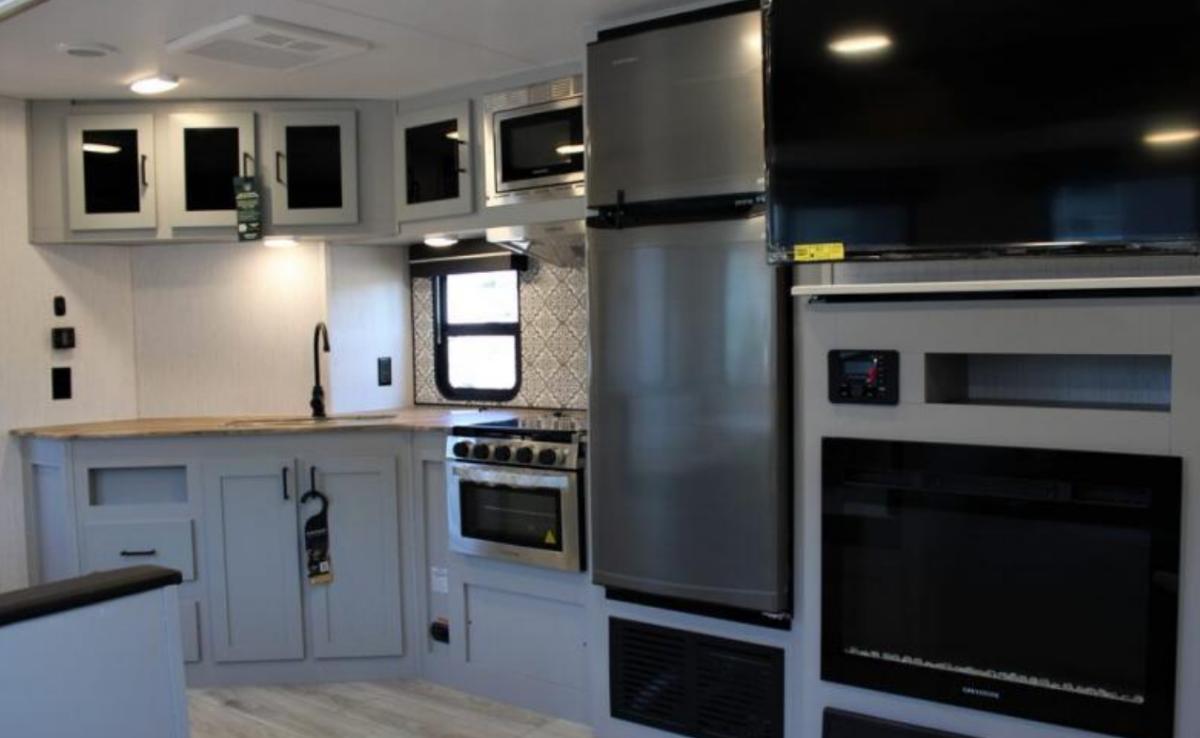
(140, 552)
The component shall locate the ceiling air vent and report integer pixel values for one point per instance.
(254, 41)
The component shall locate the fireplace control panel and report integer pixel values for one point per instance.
(864, 376)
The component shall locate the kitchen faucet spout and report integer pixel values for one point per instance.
(317, 403)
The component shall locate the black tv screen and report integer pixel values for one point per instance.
(944, 128)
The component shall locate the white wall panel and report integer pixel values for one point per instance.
(226, 329)
(96, 283)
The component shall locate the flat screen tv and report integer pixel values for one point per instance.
(951, 129)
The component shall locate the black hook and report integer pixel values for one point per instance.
(313, 493)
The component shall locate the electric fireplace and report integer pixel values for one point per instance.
(1036, 583)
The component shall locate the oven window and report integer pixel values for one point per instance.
(526, 517)
(541, 145)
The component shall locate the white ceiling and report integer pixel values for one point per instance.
(418, 45)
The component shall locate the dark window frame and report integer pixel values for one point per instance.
(442, 330)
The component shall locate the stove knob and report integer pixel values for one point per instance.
(462, 449)
(524, 455)
(502, 453)
(548, 457)
(480, 451)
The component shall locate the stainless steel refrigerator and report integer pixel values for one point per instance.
(690, 430)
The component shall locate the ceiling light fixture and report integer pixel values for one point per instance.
(98, 148)
(280, 242)
(860, 44)
(1171, 136)
(440, 240)
(569, 149)
(86, 51)
(155, 85)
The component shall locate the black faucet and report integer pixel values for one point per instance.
(318, 394)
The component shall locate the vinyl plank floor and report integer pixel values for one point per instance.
(405, 709)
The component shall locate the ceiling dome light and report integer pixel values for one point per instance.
(1172, 136)
(440, 240)
(155, 85)
(860, 44)
(280, 242)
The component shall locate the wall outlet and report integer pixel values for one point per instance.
(384, 371)
(60, 383)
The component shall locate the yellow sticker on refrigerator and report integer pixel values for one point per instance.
(819, 252)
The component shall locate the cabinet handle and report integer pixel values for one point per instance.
(145, 182)
(458, 155)
(246, 159)
(279, 167)
(140, 552)
(283, 473)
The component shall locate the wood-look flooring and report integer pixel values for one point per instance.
(406, 709)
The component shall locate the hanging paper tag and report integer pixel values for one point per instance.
(316, 543)
(249, 208)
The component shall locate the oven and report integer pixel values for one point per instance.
(533, 141)
(519, 514)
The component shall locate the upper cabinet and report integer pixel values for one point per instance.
(110, 172)
(207, 151)
(314, 167)
(433, 163)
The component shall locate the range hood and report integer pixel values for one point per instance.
(559, 242)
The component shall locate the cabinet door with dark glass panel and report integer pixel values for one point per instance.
(208, 151)
(312, 167)
(110, 172)
(433, 163)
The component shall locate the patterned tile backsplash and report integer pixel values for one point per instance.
(554, 346)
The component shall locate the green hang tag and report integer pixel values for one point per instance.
(249, 208)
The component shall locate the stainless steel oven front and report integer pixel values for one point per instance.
(525, 515)
(533, 142)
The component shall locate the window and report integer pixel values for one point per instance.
(477, 332)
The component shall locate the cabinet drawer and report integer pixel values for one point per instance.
(116, 545)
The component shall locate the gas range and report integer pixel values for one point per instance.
(548, 441)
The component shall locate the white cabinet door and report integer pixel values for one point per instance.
(313, 167)
(433, 163)
(358, 614)
(110, 172)
(254, 566)
(207, 150)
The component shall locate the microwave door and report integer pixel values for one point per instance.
(539, 146)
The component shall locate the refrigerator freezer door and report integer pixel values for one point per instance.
(688, 423)
(676, 112)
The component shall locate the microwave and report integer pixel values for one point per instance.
(533, 142)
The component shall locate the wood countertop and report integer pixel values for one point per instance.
(419, 418)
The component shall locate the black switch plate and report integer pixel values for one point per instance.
(62, 338)
(60, 305)
(60, 383)
(384, 366)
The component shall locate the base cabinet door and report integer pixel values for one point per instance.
(357, 614)
(250, 510)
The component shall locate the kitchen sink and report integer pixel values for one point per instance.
(302, 420)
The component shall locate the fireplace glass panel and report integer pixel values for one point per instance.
(1016, 580)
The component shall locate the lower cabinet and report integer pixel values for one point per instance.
(358, 614)
(251, 536)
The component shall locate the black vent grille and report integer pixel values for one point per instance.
(693, 684)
